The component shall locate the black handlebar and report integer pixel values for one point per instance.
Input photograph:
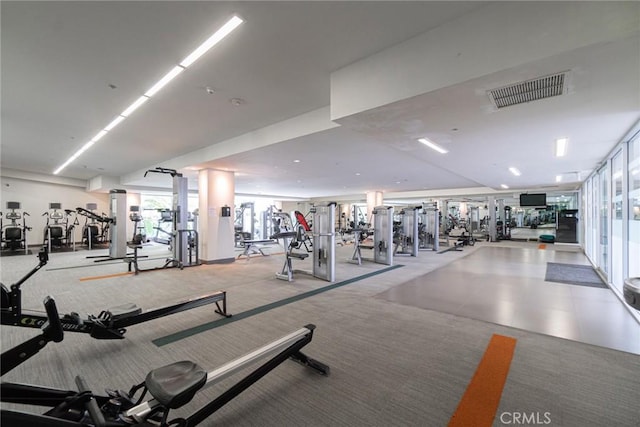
(52, 329)
(158, 169)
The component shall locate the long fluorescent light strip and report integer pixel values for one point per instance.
(225, 30)
(231, 25)
(163, 81)
(433, 145)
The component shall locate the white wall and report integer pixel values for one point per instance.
(35, 197)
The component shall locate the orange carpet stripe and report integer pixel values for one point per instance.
(126, 273)
(480, 401)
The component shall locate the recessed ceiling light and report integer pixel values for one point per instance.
(357, 173)
(433, 145)
(561, 146)
(296, 161)
(504, 186)
(514, 171)
(558, 178)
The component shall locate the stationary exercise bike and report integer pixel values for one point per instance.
(109, 324)
(139, 233)
(170, 387)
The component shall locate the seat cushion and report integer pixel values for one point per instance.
(175, 385)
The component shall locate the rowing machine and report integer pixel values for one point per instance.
(171, 387)
(110, 323)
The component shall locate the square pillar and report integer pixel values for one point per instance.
(216, 190)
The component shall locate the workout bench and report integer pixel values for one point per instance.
(255, 247)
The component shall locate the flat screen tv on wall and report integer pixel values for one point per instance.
(533, 200)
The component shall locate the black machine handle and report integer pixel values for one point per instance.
(51, 331)
(43, 257)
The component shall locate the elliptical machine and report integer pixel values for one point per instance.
(14, 235)
(54, 234)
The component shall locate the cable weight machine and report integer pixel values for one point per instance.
(185, 243)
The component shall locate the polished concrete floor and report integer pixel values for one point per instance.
(505, 285)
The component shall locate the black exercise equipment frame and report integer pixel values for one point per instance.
(117, 408)
(104, 326)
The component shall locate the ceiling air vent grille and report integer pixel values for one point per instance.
(530, 90)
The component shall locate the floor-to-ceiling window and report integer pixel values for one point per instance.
(612, 213)
(603, 259)
(634, 208)
(589, 225)
(617, 273)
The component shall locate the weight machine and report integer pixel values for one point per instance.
(245, 215)
(110, 323)
(406, 238)
(429, 228)
(382, 237)
(323, 248)
(96, 228)
(185, 244)
(14, 236)
(503, 226)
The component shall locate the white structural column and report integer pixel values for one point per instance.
(374, 198)
(216, 190)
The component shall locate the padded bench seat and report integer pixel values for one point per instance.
(297, 255)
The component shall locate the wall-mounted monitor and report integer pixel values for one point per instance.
(533, 199)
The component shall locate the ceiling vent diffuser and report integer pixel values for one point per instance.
(530, 90)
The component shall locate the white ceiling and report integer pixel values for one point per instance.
(59, 58)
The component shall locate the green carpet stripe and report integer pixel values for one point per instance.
(162, 341)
